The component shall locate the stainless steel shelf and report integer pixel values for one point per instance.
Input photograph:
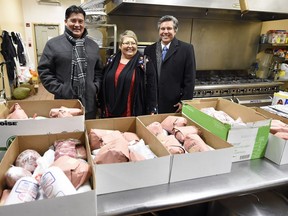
(245, 177)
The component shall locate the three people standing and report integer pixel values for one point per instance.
(133, 84)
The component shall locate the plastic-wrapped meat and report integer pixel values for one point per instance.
(135, 156)
(114, 137)
(56, 112)
(64, 113)
(173, 145)
(95, 136)
(194, 143)
(282, 135)
(129, 136)
(27, 160)
(81, 152)
(113, 153)
(155, 128)
(14, 173)
(218, 114)
(78, 171)
(173, 121)
(181, 132)
(142, 149)
(16, 112)
(278, 126)
(66, 147)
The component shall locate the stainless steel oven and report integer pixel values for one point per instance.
(242, 90)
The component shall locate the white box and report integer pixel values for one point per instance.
(277, 148)
(71, 205)
(131, 175)
(12, 127)
(199, 164)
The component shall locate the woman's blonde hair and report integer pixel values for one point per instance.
(128, 33)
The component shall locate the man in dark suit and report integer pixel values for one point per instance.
(176, 68)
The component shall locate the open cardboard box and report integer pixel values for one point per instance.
(12, 127)
(249, 141)
(194, 165)
(71, 205)
(277, 148)
(131, 175)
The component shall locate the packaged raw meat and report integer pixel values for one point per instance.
(78, 171)
(27, 160)
(278, 126)
(16, 112)
(25, 190)
(155, 128)
(173, 145)
(142, 149)
(130, 136)
(113, 153)
(181, 132)
(194, 143)
(171, 121)
(14, 173)
(55, 183)
(95, 136)
(64, 112)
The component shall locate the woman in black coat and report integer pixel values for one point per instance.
(129, 83)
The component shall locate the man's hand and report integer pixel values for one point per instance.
(179, 109)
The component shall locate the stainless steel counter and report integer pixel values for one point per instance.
(245, 177)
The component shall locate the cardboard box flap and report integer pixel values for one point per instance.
(122, 124)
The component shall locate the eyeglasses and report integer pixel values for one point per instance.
(129, 43)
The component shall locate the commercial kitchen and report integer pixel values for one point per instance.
(235, 61)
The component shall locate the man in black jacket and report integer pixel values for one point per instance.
(175, 64)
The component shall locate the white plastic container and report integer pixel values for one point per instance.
(24, 190)
(55, 183)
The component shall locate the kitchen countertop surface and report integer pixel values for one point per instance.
(245, 177)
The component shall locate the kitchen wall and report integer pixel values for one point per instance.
(219, 44)
(12, 16)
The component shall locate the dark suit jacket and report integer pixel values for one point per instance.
(176, 80)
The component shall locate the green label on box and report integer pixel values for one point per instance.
(261, 142)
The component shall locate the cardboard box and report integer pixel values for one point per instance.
(280, 98)
(131, 175)
(12, 127)
(72, 205)
(277, 148)
(249, 141)
(199, 164)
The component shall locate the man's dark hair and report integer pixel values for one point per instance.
(74, 9)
